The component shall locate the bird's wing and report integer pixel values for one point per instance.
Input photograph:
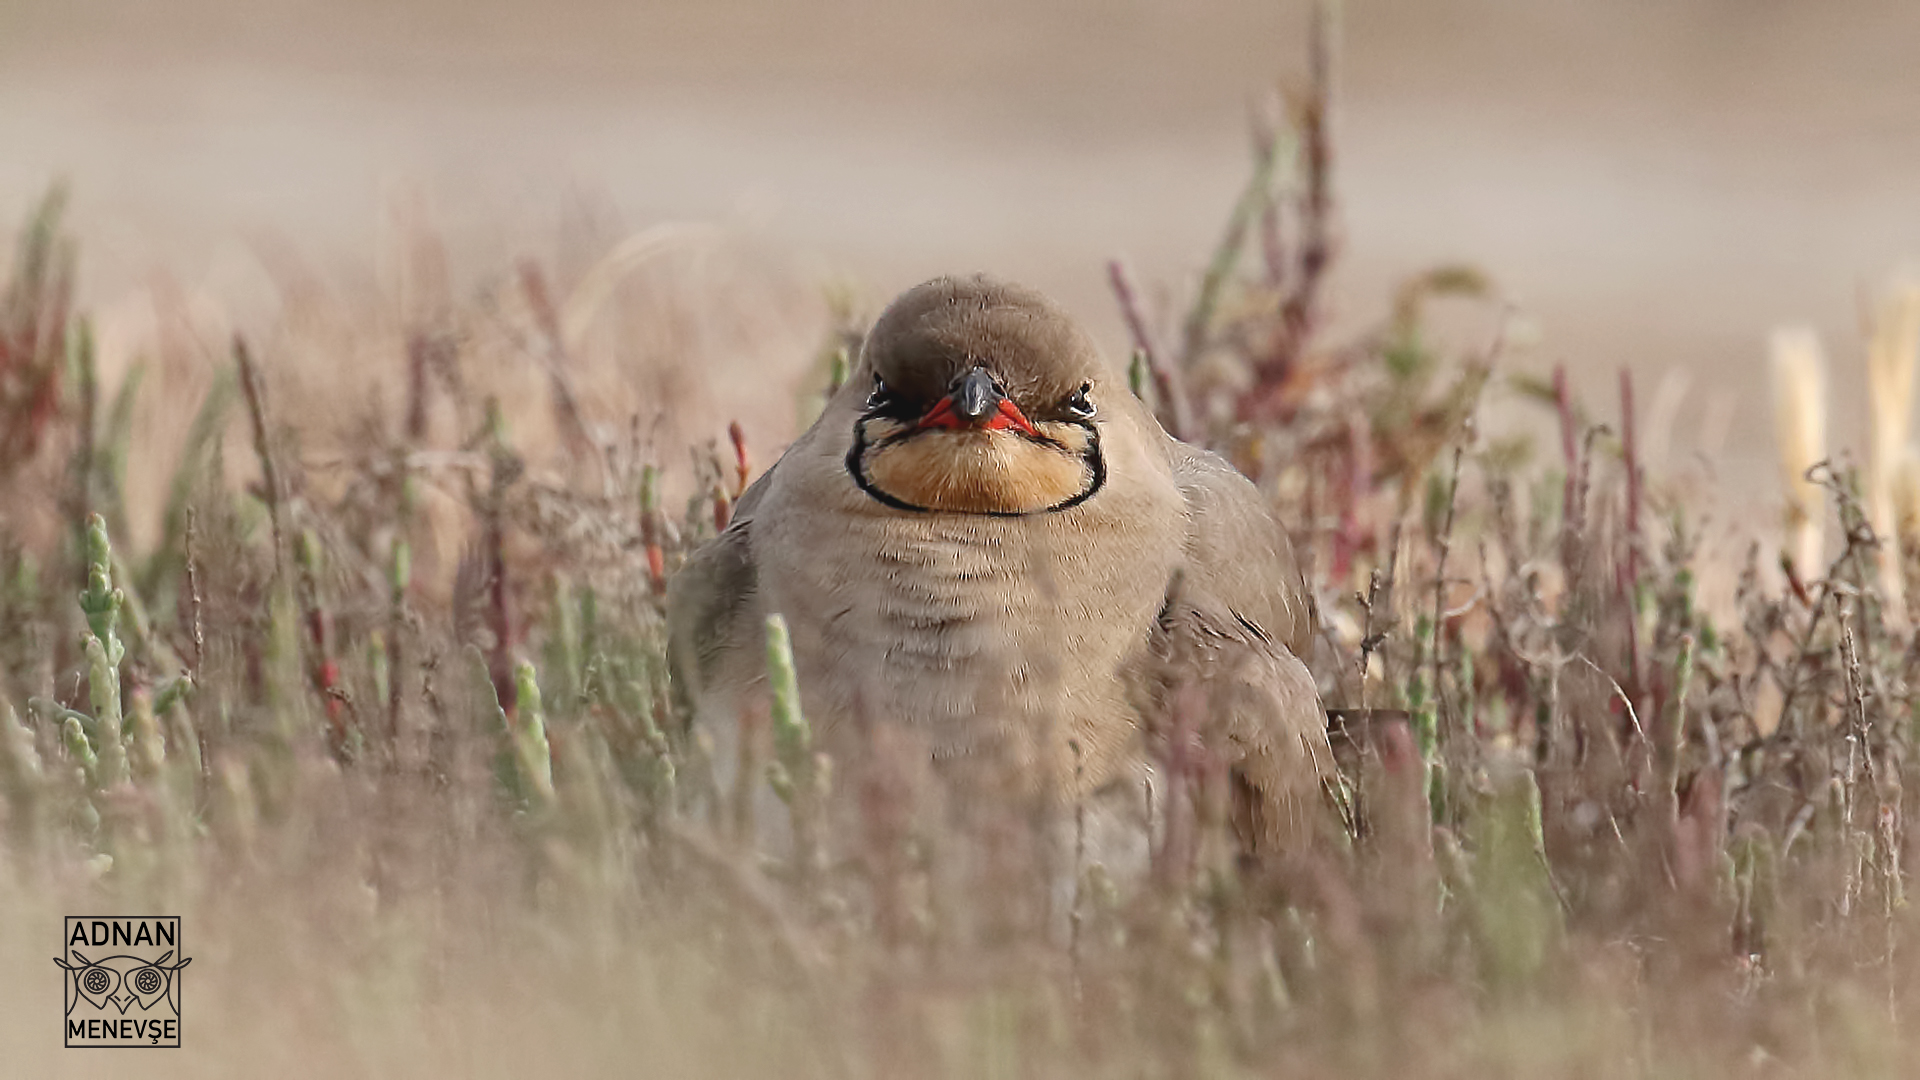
(713, 611)
(1239, 566)
(1238, 617)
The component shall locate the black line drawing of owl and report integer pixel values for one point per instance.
(122, 981)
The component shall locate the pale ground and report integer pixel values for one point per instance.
(1657, 184)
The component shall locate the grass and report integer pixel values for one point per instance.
(381, 709)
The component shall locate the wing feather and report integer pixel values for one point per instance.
(1238, 617)
(713, 613)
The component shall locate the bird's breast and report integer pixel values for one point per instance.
(984, 637)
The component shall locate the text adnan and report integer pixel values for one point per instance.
(102, 932)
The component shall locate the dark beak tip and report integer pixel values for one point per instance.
(974, 394)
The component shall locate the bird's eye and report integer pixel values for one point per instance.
(1079, 404)
(880, 397)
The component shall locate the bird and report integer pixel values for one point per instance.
(987, 542)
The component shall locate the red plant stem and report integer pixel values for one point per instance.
(1168, 386)
(1353, 493)
(1316, 242)
(1273, 241)
(418, 346)
(886, 811)
(498, 615)
(566, 401)
(256, 394)
(656, 569)
(742, 467)
(323, 671)
(326, 678)
(499, 619)
(35, 321)
(1123, 292)
(1177, 841)
(1563, 405)
(656, 555)
(194, 602)
(1300, 307)
(1630, 447)
(1316, 211)
(1273, 246)
(89, 388)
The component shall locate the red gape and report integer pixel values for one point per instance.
(1008, 415)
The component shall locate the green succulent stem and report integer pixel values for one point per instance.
(103, 682)
(75, 737)
(173, 692)
(1423, 707)
(1671, 736)
(531, 749)
(792, 738)
(149, 745)
(797, 774)
(20, 772)
(839, 366)
(100, 601)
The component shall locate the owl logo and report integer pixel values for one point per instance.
(124, 981)
(122, 998)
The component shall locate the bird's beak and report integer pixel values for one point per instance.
(975, 401)
(974, 395)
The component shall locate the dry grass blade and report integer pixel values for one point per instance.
(1800, 435)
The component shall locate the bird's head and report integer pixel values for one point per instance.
(982, 398)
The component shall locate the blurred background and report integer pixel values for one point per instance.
(1655, 184)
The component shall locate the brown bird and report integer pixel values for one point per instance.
(988, 542)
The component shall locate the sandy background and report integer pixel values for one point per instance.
(1657, 184)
